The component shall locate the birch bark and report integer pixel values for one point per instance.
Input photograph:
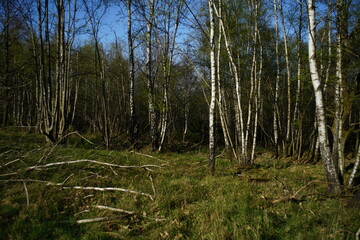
(277, 81)
(332, 177)
(235, 74)
(211, 163)
(131, 73)
(150, 80)
(288, 77)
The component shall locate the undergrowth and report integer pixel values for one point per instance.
(185, 203)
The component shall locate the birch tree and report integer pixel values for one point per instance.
(297, 139)
(153, 119)
(330, 168)
(240, 129)
(170, 34)
(277, 81)
(211, 163)
(288, 81)
(54, 93)
(221, 101)
(96, 11)
(132, 128)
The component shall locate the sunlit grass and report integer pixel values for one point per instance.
(188, 204)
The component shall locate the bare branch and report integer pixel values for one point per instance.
(43, 158)
(293, 196)
(27, 195)
(105, 189)
(114, 209)
(99, 219)
(91, 161)
(152, 184)
(147, 155)
(81, 187)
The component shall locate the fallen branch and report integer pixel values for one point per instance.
(147, 155)
(8, 174)
(152, 184)
(99, 219)
(107, 189)
(293, 197)
(81, 212)
(91, 161)
(127, 212)
(11, 162)
(81, 187)
(43, 158)
(37, 167)
(114, 209)
(27, 195)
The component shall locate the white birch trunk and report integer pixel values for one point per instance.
(211, 163)
(168, 60)
(257, 79)
(150, 81)
(237, 90)
(332, 177)
(329, 47)
(355, 169)
(221, 95)
(339, 106)
(298, 88)
(288, 76)
(131, 73)
(277, 81)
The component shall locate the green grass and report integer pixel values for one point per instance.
(189, 203)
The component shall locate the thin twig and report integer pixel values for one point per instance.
(43, 158)
(37, 167)
(114, 209)
(11, 162)
(114, 171)
(147, 155)
(67, 178)
(152, 184)
(81, 187)
(27, 195)
(77, 133)
(99, 219)
(293, 196)
(305, 186)
(91, 161)
(106, 189)
(83, 211)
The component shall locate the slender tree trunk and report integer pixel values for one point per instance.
(229, 146)
(132, 129)
(237, 89)
(211, 164)
(61, 90)
(257, 78)
(296, 119)
(327, 74)
(186, 114)
(337, 150)
(168, 61)
(355, 169)
(288, 77)
(150, 80)
(332, 177)
(277, 81)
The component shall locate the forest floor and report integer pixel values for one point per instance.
(170, 196)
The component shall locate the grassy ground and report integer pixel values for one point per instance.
(187, 203)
